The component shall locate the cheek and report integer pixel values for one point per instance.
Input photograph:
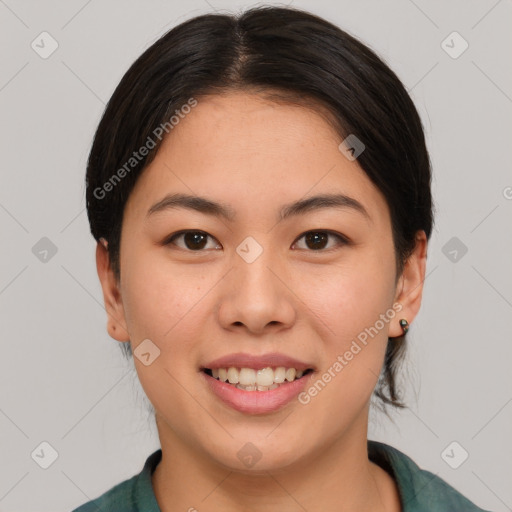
(164, 305)
(350, 296)
(161, 302)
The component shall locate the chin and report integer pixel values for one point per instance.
(258, 456)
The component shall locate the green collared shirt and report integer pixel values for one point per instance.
(420, 490)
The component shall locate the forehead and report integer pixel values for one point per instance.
(249, 151)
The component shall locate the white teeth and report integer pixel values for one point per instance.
(279, 375)
(290, 374)
(233, 375)
(246, 388)
(247, 377)
(264, 379)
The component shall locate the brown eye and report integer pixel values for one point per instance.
(318, 240)
(193, 240)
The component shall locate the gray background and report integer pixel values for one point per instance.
(64, 381)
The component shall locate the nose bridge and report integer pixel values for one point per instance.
(253, 264)
(255, 296)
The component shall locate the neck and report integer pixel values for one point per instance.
(339, 477)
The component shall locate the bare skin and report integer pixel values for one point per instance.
(309, 303)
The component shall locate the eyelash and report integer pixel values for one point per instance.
(342, 240)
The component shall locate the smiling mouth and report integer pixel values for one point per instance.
(264, 379)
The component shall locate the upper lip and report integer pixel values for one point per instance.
(244, 360)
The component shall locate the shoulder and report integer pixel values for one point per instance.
(120, 497)
(419, 489)
(132, 495)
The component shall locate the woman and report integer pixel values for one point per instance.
(259, 187)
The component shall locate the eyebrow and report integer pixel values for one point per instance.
(216, 209)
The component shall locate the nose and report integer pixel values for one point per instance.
(257, 296)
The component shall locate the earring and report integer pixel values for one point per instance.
(404, 324)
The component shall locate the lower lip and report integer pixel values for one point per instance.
(256, 402)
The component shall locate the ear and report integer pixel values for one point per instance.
(409, 290)
(116, 322)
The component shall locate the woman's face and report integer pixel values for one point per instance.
(257, 289)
